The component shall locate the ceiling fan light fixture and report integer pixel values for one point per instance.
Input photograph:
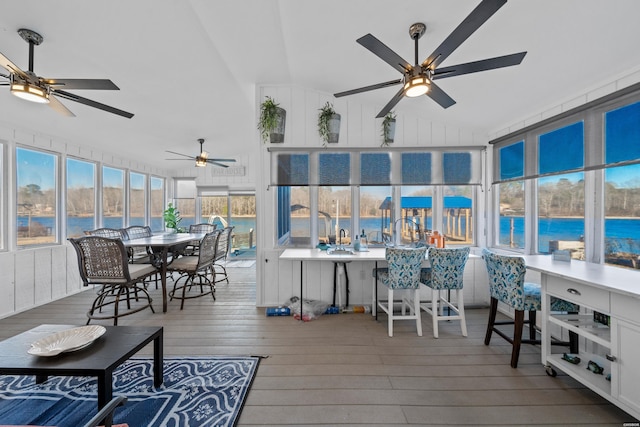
(201, 160)
(416, 86)
(30, 92)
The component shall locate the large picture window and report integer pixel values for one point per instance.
(137, 198)
(112, 197)
(81, 197)
(37, 212)
(387, 195)
(157, 203)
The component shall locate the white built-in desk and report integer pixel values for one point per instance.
(613, 291)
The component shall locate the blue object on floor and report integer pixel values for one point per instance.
(197, 391)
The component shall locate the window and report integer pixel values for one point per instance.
(377, 215)
(185, 201)
(243, 219)
(137, 198)
(37, 212)
(112, 197)
(511, 196)
(622, 187)
(561, 197)
(157, 203)
(294, 215)
(387, 195)
(334, 197)
(81, 197)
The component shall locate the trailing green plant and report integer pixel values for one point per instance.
(268, 118)
(172, 217)
(389, 118)
(326, 113)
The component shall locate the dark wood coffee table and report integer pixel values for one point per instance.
(99, 359)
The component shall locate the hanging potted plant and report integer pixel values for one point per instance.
(272, 121)
(172, 218)
(388, 128)
(329, 124)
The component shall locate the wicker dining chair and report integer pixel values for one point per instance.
(202, 228)
(198, 266)
(104, 261)
(222, 252)
(111, 233)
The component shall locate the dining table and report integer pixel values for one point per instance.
(162, 244)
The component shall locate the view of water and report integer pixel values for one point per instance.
(76, 225)
(624, 232)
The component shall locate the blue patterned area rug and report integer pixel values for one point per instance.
(197, 391)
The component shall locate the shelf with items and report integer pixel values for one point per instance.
(585, 326)
(580, 372)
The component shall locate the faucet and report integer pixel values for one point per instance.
(409, 220)
(343, 232)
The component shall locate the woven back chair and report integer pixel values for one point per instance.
(196, 266)
(222, 252)
(111, 233)
(202, 228)
(103, 261)
(138, 253)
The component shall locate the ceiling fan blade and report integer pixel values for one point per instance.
(181, 159)
(78, 84)
(180, 154)
(217, 163)
(90, 103)
(10, 66)
(476, 66)
(383, 52)
(471, 23)
(60, 107)
(223, 160)
(440, 96)
(367, 88)
(396, 98)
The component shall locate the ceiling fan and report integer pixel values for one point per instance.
(27, 85)
(203, 158)
(418, 79)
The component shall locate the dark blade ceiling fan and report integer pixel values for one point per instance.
(418, 79)
(203, 158)
(27, 85)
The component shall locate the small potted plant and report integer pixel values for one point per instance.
(388, 128)
(272, 121)
(172, 218)
(329, 124)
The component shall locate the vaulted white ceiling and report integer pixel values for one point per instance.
(188, 69)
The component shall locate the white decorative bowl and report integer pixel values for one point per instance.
(65, 341)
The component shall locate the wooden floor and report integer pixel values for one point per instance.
(343, 369)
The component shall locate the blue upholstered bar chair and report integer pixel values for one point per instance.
(446, 275)
(403, 276)
(507, 285)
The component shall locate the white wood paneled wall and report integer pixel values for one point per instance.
(278, 281)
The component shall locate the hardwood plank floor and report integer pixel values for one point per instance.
(343, 369)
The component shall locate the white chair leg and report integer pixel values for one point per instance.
(460, 301)
(416, 310)
(390, 312)
(435, 297)
(374, 302)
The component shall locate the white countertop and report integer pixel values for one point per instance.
(615, 279)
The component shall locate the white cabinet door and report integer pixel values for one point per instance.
(627, 373)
